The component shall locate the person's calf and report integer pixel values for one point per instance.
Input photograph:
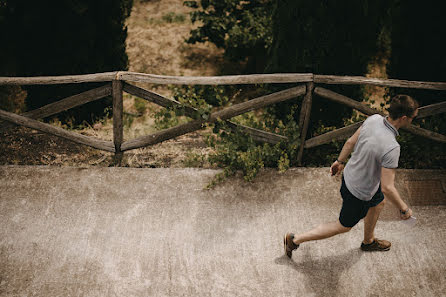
(322, 231)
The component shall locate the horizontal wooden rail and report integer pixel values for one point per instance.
(224, 114)
(157, 99)
(69, 102)
(432, 109)
(425, 133)
(338, 134)
(256, 134)
(63, 79)
(361, 80)
(333, 96)
(217, 80)
(75, 137)
(221, 80)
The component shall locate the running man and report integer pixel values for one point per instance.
(368, 177)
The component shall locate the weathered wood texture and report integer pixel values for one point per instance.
(70, 102)
(304, 119)
(256, 134)
(259, 102)
(346, 101)
(75, 137)
(432, 109)
(217, 80)
(360, 80)
(224, 114)
(63, 79)
(338, 134)
(346, 132)
(425, 133)
(158, 99)
(118, 108)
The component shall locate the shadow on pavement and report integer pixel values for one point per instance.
(322, 273)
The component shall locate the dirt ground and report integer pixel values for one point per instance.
(23, 146)
(155, 44)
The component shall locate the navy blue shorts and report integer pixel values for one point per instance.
(354, 209)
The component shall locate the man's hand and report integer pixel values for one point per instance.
(336, 168)
(405, 214)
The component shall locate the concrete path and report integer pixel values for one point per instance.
(157, 232)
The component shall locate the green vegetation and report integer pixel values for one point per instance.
(325, 38)
(242, 28)
(259, 36)
(173, 17)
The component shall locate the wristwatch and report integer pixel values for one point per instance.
(343, 163)
(403, 212)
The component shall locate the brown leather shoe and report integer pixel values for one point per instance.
(289, 245)
(376, 245)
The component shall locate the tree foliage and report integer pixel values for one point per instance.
(325, 37)
(418, 53)
(63, 37)
(241, 28)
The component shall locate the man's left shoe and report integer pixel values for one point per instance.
(376, 245)
(289, 245)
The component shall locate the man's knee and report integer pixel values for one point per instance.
(382, 203)
(342, 228)
(345, 229)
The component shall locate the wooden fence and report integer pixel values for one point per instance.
(115, 83)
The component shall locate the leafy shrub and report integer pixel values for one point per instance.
(140, 105)
(241, 28)
(172, 17)
(202, 98)
(234, 149)
(237, 151)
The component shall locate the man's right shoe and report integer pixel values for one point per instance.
(289, 245)
(376, 245)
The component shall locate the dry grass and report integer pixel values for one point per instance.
(155, 44)
(157, 31)
(375, 94)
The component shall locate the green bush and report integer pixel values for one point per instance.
(241, 28)
(202, 98)
(234, 149)
(140, 105)
(173, 17)
(237, 151)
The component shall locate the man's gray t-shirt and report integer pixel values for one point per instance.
(375, 148)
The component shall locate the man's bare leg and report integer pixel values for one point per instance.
(370, 222)
(320, 232)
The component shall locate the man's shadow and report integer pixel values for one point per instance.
(322, 274)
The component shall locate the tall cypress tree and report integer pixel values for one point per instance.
(325, 37)
(60, 37)
(418, 53)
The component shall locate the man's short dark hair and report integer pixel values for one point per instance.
(402, 105)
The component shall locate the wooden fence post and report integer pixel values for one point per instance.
(118, 133)
(304, 119)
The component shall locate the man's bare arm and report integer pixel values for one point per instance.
(347, 149)
(349, 145)
(391, 193)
